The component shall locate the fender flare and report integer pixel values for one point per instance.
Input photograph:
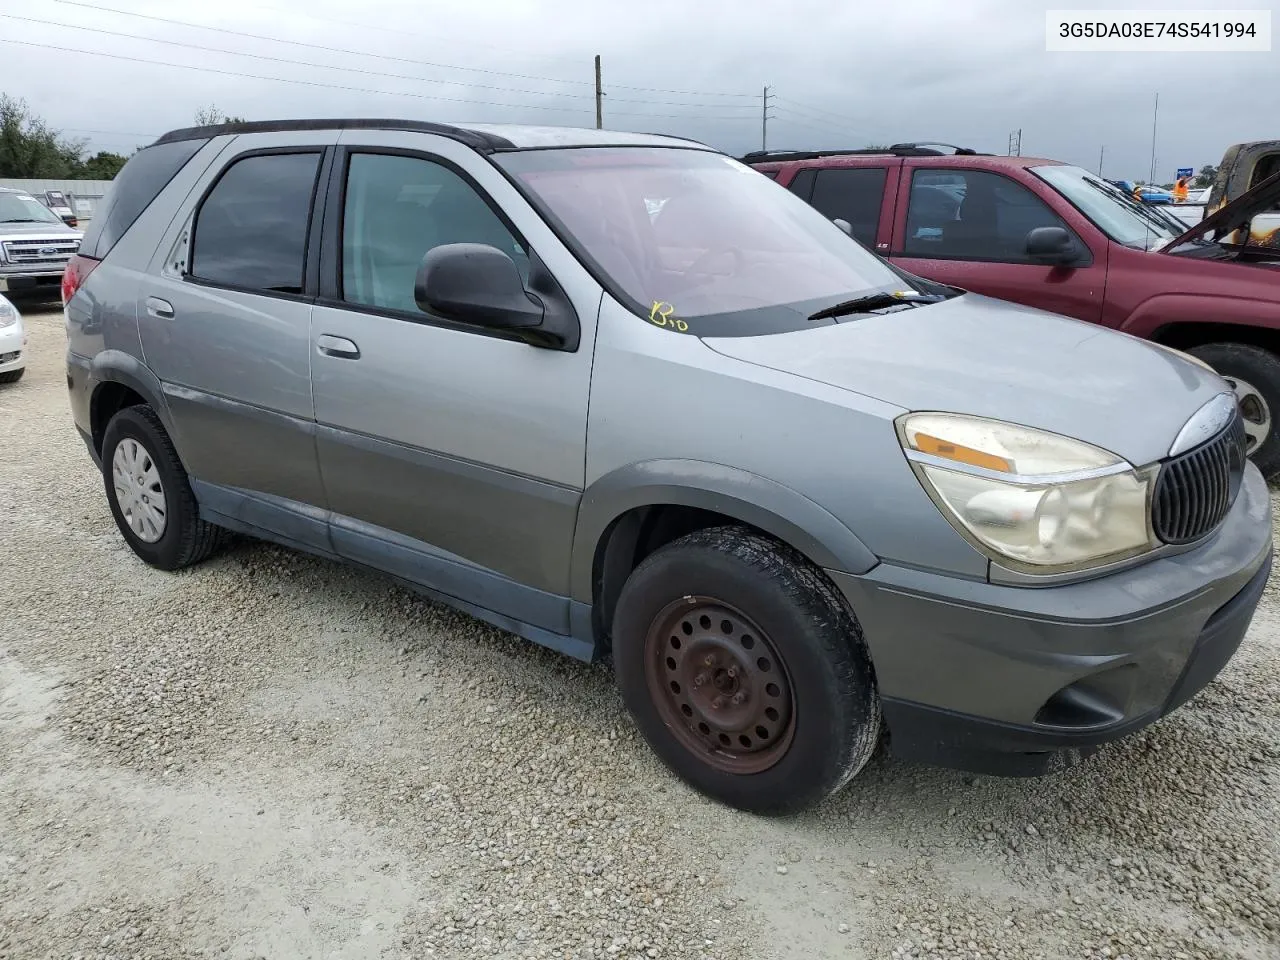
(766, 504)
(116, 366)
(1167, 309)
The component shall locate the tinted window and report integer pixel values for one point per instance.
(771, 174)
(854, 195)
(726, 254)
(972, 215)
(802, 184)
(135, 186)
(398, 208)
(251, 230)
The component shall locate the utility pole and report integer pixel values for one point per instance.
(1102, 152)
(1155, 125)
(599, 97)
(764, 118)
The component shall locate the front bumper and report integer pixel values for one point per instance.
(32, 279)
(1021, 681)
(13, 348)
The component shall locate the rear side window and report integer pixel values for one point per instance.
(135, 186)
(771, 174)
(802, 185)
(251, 230)
(852, 194)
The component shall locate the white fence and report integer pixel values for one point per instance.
(83, 195)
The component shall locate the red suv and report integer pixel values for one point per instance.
(1054, 236)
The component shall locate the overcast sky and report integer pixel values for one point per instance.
(844, 74)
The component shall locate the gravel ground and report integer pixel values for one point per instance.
(272, 756)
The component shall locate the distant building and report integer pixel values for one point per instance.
(83, 195)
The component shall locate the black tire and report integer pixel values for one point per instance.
(1260, 369)
(834, 703)
(12, 376)
(186, 539)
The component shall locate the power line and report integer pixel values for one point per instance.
(402, 32)
(379, 56)
(107, 133)
(357, 70)
(826, 126)
(797, 105)
(335, 86)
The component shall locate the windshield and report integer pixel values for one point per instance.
(698, 239)
(21, 208)
(1117, 214)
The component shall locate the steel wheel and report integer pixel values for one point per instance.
(1254, 411)
(719, 685)
(139, 492)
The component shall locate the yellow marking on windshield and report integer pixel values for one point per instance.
(660, 315)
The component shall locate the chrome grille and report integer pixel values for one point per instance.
(1195, 490)
(40, 251)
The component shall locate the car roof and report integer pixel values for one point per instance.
(871, 159)
(484, 137)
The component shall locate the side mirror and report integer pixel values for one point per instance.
(476, 283)
(844, 225)
(1052, 245)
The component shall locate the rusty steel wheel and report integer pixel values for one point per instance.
(745, 671)
(719, 684)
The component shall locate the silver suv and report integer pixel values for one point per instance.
(622, 395)
(35, 244)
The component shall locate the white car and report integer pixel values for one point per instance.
(13, 342)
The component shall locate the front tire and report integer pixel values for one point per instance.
(149, 494)
(1254, 375)
(12, 376)
(745, 671)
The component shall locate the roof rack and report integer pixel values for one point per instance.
(483, 142)
(897, 150)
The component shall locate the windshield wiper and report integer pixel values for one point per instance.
(27, 220)
(875, 301)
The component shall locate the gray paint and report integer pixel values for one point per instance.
(995, 359)
(481, 440)
(660, 395)
(286, 522)
(485, 471)
(1000, 652)
(518, 526)
(755, 500)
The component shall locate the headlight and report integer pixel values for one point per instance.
(8, 313)
(1034, 501)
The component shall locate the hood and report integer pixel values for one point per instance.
(50, 229)
(975, 355)
(1235, 215)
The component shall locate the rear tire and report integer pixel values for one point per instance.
(149, 493)
(1254, 373)
(12, 376)
(745, 671)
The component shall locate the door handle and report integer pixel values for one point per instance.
(332, 346)
(160, 308)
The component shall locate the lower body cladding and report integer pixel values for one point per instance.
(1023, 681)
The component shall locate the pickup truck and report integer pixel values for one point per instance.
(35, 245)
(1057, 237)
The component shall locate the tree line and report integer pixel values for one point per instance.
(31, 149)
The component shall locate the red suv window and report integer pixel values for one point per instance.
(956, 214)
(853, 194)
